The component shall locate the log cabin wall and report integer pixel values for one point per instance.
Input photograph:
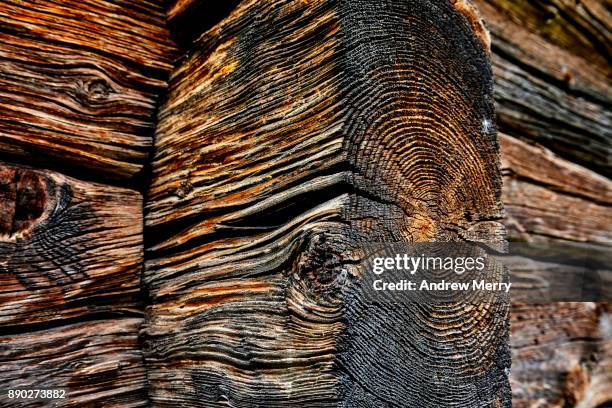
(551, 64)
(80, 83)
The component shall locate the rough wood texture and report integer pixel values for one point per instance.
(561, 352)
(79, 82)
(295, 132)
(562, 355)
(97, 363)
(552, 70)
(68, 249)
(552, 75)
(537, 165)
(548, 197)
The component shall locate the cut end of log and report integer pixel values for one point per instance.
(294, 134)
(470, 12)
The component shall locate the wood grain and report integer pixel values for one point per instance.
(552, 68)
(538, 165)
(548, 197)
(582, 28)
(295, 133)
(79, 83)
(561, 352)
(552, 75)
(68, 249)
(97, 363)
(562, 355)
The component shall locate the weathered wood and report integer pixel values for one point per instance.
(97, 363)
(294, 133)
(559, 271)
(552, 75)
(267, 146)
(79, 87)
(561, 352)
(537, 211)
(561, 355)
(548, 197)
(551, 64)
(580, 27)
(525, 39)
(68, 249)
(537, 165)
(79, 83)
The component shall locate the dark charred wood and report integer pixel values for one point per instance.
(188, 19)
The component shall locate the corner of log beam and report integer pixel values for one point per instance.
(293, 134)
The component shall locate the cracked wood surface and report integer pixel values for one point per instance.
(296, 132)
(68, 249)
(84, 104)
(561, 352)
(79, 82)
(548, 197)
(71, 255)
(551, 64)
(98, 363)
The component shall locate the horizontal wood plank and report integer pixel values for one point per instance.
(548, 197)
(68, 249)
(561, 354)
(552, 75)
(79, 83)
(537, 165)
(561, 351)
(97, 363)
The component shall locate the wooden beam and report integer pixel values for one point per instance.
(69, 250)
(552, 70)
(547, 197)
(561, 354)
(96, 363)
(79, 82)
(294, 134)
(552, 75)
(561, 351)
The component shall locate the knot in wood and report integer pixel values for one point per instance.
(320, 266)
(184, 189)
(94, 90)
(23, 198)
